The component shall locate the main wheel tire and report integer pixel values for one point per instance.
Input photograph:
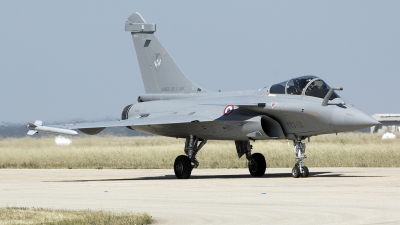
(305, 172)
(296, 172)
(182, 167)
(257, 165)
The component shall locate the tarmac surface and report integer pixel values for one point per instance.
(215, 196)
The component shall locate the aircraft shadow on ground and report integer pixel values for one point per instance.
(232, 176)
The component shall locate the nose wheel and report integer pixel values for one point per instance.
(304, 171)
(297, 172)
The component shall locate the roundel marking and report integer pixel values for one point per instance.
(228, 109)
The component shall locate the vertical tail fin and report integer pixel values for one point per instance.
(160, 73)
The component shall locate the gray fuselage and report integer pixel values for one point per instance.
(295, 115)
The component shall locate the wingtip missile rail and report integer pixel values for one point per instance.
(38, 127)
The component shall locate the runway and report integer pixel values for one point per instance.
(215, 196)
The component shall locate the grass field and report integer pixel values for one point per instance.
(342, 150)
(33, 216)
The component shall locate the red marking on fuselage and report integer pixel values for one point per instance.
(228, 109)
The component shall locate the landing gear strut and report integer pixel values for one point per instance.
(256, 162)
(299, 150)
(185, 163)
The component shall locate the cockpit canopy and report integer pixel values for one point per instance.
(305, 85)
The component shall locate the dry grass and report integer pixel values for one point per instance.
(343, 150)
(14, 215)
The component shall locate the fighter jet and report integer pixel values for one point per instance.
(173, 106)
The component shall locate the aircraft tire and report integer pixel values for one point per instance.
(182, 167)
(305, 172)
(296, 172)
(257, 165)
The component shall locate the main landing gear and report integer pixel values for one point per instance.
(257, 164)
(299, 150)
(185, 163)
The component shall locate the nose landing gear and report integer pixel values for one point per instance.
(299, 150)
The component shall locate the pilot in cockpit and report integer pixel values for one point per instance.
(299, 85)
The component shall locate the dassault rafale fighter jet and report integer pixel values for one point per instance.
(174, 106)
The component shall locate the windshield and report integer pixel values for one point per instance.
(278, 88)
(308, 85)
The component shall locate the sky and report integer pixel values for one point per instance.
(72, 60)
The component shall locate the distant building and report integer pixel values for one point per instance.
(389, 123)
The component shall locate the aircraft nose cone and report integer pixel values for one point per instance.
(359, 119)
(352, 119)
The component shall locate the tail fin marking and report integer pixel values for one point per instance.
(159, 71)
